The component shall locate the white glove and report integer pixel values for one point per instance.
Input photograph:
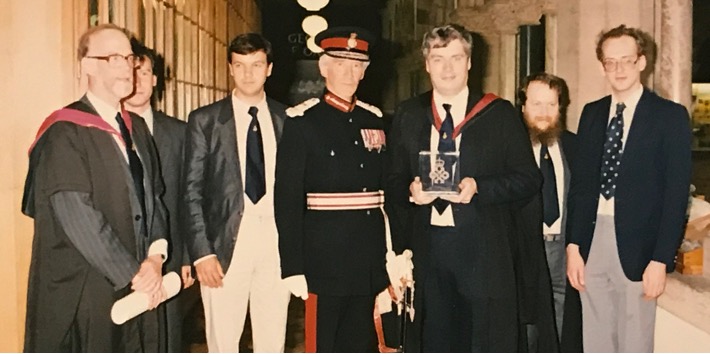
(398, 268)
(297, 285)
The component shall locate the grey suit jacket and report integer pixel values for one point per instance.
(214, 191)
(169, 136)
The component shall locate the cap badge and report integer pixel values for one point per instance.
(352, 41)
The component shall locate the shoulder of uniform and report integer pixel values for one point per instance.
(376, 111)
(298, 110)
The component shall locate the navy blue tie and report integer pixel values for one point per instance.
(255, 175)
(446, 132)
(446, 144)
(134, 163)
(611, 158)
(550, 203)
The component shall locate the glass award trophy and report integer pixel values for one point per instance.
(439, 172)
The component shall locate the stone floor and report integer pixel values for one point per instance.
(194, 330)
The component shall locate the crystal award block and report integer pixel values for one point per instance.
(439, 172)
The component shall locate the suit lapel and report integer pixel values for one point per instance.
(566, 180)
(227, 134)
(427, 123)
(159, 132)
(638, 129)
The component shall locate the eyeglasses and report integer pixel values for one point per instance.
(626, 63)
(116, 60)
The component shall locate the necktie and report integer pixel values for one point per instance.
(255, 175)
(611, 158)
(134, 163)
(550, 203)
(446, 132)
(446, 144)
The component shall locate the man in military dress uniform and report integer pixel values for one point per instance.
(329, 173)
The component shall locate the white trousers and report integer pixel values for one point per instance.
(253, 278)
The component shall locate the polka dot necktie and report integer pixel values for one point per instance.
(611, 159)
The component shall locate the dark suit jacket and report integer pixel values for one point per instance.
(535, 300)
(495, 150)
(652, 187)
(169, 136)
(214, 191)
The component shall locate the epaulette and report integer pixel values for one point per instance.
(298, 110)
(376, 111)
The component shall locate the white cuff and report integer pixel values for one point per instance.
(159, 247)
(203, 258)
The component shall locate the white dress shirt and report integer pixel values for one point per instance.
(458, 112)
(147, 116)
(606, 207)
(556, 156)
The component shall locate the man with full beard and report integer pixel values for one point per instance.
(544, 99)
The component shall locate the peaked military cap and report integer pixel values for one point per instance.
(346, 42)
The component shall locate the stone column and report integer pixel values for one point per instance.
(675, 51)
(497, 21)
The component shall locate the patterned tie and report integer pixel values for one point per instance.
(550, 203)
(446, 132)
(255, 175)
(446, 144)
(134, 163)
(611, 159)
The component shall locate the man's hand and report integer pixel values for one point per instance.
(187, 279)
(297, 285)
(654, 280)
(575, 267)
(418, 195)
(209, 272)
(467, 188)
(149, 280)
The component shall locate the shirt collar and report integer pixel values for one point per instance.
(339, 103)
(239, 105)
(147, 115)
(460, 101)
(631, 101)
(104, 109)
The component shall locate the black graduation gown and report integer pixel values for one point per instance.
(62, 284)
(495, 150)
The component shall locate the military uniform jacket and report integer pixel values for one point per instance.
(340, 252)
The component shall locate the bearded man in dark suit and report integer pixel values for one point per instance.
(544, 99)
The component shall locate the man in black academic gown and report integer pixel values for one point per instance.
(92, 189)
(465, 296)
